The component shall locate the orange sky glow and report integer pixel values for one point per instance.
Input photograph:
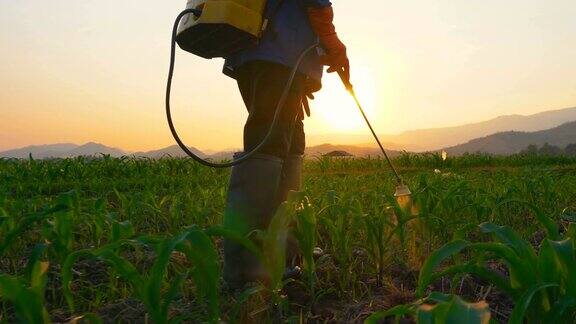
(95, 70)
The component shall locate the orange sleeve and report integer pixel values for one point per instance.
(321, 20)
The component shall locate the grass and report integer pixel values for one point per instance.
(106, 235)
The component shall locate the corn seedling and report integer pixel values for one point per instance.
(27, 296)
(305, 233)
(148, 287)
(542, 285)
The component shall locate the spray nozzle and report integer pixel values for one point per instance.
(403, 196)
(402, 190)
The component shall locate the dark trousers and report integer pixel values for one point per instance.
(260, 184)
(261, 85)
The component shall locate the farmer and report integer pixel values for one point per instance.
(261, 183)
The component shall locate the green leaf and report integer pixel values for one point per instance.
(521, 273)
(236, 238)
(243, 297)
(566, 262)
(481, 272)
(152, 291)
(569, 217)
(124, 269)
(34, 272)
(434, 261)
(425, 314)
(27, 304)
(38, 278)
(305, 233)
(561, 309)
(571, 232)
(438, 297)
(550, 226)
(122, 230)
(454, 311)
(172, 292)
(519, 311)
(507, 236)
(206, 272)
(3, 215)
(67, 276)
(23, 225)
(470, 313)
(274, 245)
(547, 268)
(460, 233)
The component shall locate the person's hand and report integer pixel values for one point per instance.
(336, 57)
(310, 86)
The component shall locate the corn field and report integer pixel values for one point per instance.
(487, 240)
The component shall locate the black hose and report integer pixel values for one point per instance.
(279, 107)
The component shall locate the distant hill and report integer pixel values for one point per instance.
(358, 151)
(94, 149)
(176, 151)
(39, 151)
(223, 156)
(435, 138)
(61, 151)
(364, 140)
(449, 136)
(172, 151)
(506, 143)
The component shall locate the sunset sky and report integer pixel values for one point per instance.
(95, 70)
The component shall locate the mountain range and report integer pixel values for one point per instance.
(506, 143)
(64, 150)
(502, 135)
(437, 138)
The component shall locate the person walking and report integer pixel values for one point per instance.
(261, 183)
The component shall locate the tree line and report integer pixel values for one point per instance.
(551, 150)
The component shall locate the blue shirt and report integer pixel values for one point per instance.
(287, 36)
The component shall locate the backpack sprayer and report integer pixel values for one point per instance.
(219, 28)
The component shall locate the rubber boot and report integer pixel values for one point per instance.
(291, 177)
(291, 181)
(250, 205)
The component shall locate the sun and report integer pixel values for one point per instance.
(336, 107)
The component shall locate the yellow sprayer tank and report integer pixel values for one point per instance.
(224, 27)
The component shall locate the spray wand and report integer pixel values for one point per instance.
(403, 194)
